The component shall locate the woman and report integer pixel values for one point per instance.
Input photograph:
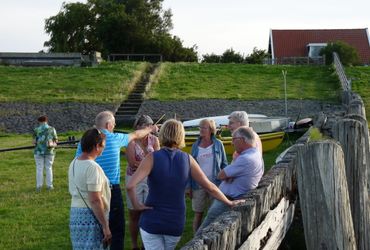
(209, 153)
(168, 170)
(136, 152)
(45, 140)
(89, 188)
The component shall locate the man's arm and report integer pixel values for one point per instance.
(140, 133)
(222, 175)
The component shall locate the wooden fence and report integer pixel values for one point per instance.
(296, 60)
(346, 84)
(331, 177)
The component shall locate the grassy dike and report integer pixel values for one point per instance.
(107, 83)
(360, 78)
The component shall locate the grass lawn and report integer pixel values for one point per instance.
(360, 77)
(184, 81)
(107, 83)
(30, 220)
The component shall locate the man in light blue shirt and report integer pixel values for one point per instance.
(241, 176)
(109, 161)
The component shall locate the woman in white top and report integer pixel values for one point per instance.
(89, 188)
(210, 154)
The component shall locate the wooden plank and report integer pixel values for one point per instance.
(270, 233)
(324, 198)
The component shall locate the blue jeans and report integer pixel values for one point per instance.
(158, 241)
(117, 219)
(216, 209)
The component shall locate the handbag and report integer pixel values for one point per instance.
(52, 144)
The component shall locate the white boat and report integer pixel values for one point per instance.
(259, 123)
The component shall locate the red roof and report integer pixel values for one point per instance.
(293, 43)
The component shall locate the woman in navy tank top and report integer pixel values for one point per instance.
(168, 170)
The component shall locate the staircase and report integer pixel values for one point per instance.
(126, 113)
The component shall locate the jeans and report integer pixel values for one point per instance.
(44, 161)
(158, 241)
(117, 219)
(216, 209)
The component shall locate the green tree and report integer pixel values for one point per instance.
(116, 26)
(230, 56)
(211, 58)
(348, 55)
(257, 56)
(72, 30)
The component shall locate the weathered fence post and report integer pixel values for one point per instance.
(351, 135)
(324, 200)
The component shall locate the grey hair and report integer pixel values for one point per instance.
(143, 120)
(240, 116)
(103, 118)
(247, 134)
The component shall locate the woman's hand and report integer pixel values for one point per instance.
(141, 207)
(236, 202)
(189, 193)
(107, 236)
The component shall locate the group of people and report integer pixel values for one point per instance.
(158, 175)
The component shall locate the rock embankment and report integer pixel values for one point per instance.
(185, 110)
(22, 117)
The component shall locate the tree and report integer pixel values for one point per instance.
(230, 56)
(257, 56)
(72, 30)
(116, 26)
(212, 58)
(348, 55)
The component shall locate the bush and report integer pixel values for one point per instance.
(348, 55)
(230, 56)
(212, 58)
(257, 56)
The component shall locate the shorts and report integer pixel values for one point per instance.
(201, 200)
(142, 191)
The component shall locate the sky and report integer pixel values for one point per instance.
(212, 25)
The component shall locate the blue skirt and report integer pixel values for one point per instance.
(85, 229)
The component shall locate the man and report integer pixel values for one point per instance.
(45, 140)
(110, 163)
(241, 176)
(238, 119)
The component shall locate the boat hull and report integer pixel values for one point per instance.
(269, 142)
(259, 123)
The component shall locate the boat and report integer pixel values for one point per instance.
(269, 141)
(259, 123)
(271, 130)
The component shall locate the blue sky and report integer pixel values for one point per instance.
(213, 25)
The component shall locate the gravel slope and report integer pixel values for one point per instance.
(21, 117)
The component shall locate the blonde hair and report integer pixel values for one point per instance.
(172, 134)
(211, 123)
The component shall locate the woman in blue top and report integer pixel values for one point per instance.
(209, 153)
(168, 171)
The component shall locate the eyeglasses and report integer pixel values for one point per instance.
(203, 127)
(236, 138)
